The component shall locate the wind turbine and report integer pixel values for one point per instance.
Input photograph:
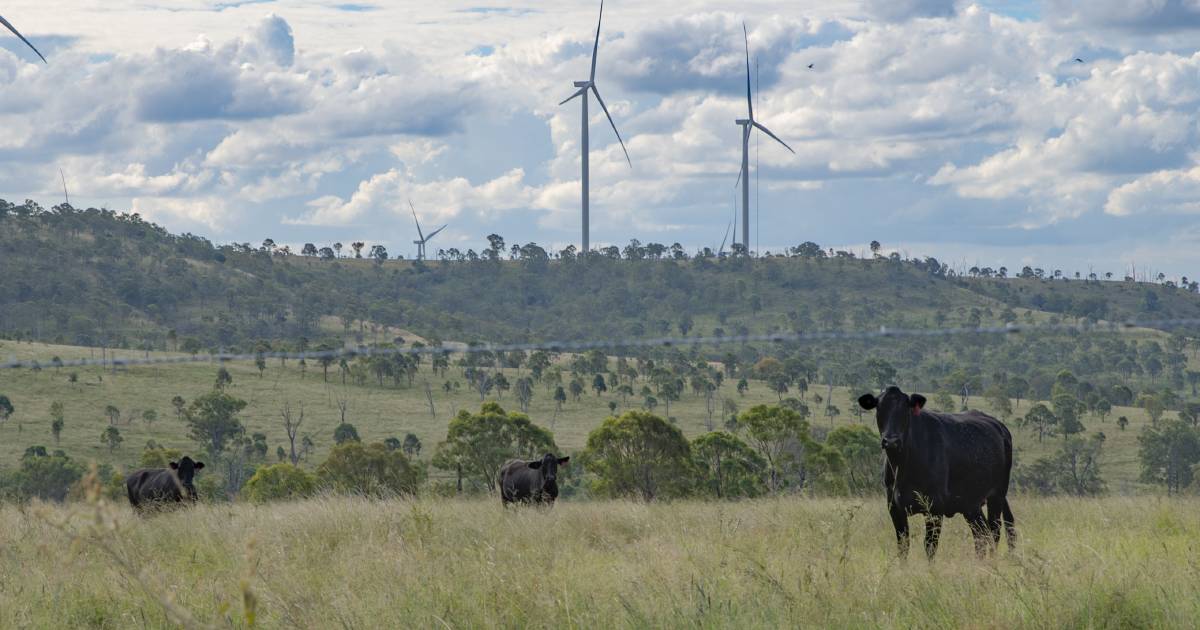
(14, 30)
(583, 87)
(748, 124)
(424, 239)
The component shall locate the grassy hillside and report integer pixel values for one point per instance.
(381, 412)
(757, 564)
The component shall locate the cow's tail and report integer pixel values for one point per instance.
(1010, 523)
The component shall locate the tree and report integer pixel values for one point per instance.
(224, 379)
(6, 408)
(1153, 405)
(111, 437)
(357, 246)
(477, 445)
(524, 392)
(638, 455)
(1041, 420)
(178, 403)
(1122, 422)
(345, 432)
(279, 482)
(292, 427)
(576, 389)
(56, 420)
(943, 401)
(47, 478)
(501, 384)
(997, 397)
(1079, 462)
(149, 416)
(213, 422)
(777, 434)
(1168, 452)
(411, 445)
(599, 385)
(372, 470)
(560, 397)
(113, 414)
(728, 467)
(861, 462)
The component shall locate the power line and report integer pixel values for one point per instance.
(883, 332)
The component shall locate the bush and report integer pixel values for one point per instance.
(728, 467)
(345, 432)
(639, 455)
(40, 477)
(279, 482)
(371, 470)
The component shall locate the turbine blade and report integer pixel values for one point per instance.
(414, 211)
(768, 132)
(574, 96)
(739, 178)
(434, 233)
(12, 28)
(66, 197)
(724, 239)
(749, 103)
(614, 125)
(596, 46)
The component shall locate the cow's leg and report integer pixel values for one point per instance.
(933, 531)
(900, 522)
(995, 506)
(1009, 523)
(979, 529)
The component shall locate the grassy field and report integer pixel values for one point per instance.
(349, 563)
(377, 412)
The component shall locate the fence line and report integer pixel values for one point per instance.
(1106, 328)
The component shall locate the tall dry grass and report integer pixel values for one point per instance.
(350, 563)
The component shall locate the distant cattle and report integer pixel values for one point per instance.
(941, 465)
(158, 486)
(530, 482)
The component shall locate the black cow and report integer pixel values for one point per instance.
(940, 465)
(158, 486)
(530, 482)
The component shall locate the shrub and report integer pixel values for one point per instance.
(279, 482)
(641, 455)
(371, 470)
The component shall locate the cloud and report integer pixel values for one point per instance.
(899, 10)
(1133, 15)
(1162, 192)
(207, 213)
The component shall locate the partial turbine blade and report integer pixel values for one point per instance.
(434, 233)
(574, 96)
(724, 239)
(768, 132)
(596, 46)
(414, 211)
(749, 103)
(15, 32)
(66, 197)
(614, 125)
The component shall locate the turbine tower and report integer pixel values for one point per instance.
(747, 125)
(583, 87)
(14, 30)
(424, 239)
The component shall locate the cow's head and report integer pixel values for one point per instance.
(893, 413)
(548, 466)
(185, 469)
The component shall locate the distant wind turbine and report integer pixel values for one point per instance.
(583, 87)
(424, 239)
(748, 124)
(14, 30)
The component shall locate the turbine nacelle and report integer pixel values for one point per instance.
(584, 84)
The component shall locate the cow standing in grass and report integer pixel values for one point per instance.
(530, 482)
(940, 465)
(160, 486)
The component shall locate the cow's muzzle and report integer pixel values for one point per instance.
(890, 443)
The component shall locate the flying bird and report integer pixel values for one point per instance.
(810, 66)
(14, 30)
(1078, 60)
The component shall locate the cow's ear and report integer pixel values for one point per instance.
(563, 460)
(535, 465)
(174, 465)
(917, 401)
(199, 465)
(868, 402)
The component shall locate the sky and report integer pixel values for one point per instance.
(965, 131)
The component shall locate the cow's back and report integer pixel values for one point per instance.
(152, 484)
(518, 481)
